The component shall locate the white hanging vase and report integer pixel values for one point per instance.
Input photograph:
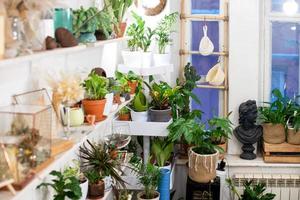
(206, 47)
(215, 75)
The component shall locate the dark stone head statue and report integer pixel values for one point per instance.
(248, 114)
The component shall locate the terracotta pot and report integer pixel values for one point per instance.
(132, 86)
(117, 99)
(96, 191)
(94, 107)
(124, 117)
(273, 133)
(293, 137)
(202, 168)
(140, 196)
(122, 28)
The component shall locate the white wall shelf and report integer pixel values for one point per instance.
(93, 133)
(58, 51)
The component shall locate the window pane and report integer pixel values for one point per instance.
(277, 5)
(285, 57)
(205, 6)
(208, 97)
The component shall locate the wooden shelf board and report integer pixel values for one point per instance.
(204, 17)
(184, 52)
(281, 148)
(221, 87)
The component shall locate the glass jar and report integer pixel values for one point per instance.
(63, 18)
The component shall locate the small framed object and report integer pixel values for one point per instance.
(151, 7)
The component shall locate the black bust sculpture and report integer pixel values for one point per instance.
(248, 133)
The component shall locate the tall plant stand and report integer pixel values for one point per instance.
(185, 52)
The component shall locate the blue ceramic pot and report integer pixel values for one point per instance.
(87, 37)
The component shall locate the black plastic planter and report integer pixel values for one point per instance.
(160, 115)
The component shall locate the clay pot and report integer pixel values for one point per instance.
(141, 196)
(132, 86)
(273, 133)
(117, 99)
(160, 115)
(124, 117)
(94, 107)
(65, 38)
(122, 28)
(96, 191)
(293, 137)
(202, 168)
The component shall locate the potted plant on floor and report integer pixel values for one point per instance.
(162, 37)
(162, 150)
(64, 187)
(149, 177)
(124, 114)
(96, 88)
(273, 118)
(99, 157)
(203, 155)
(96, 184)
(139, 108)
(160, 110)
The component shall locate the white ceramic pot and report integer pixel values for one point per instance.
(76, 117)
(139, 116)
(107, 183)
(132, 58)
(162, 59)
(84, 189)
(140, 194)
(146, 59)
(172, 175)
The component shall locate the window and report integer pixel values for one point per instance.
(282, 36)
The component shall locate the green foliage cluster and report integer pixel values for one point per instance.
(220, 129)
(123, 80)
(64, 186)
(162, 150)
(139, 102)
(96, 86)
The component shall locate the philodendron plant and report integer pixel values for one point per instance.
(220, 129)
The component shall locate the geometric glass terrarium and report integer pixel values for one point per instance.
(25, 133)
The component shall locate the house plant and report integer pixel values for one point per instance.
(96, 184)
(124, 114)
(139, 108)
(99, 157)
(85, 23)
(293, 123)
(161, 150)
(105, 25)
(203, 154)
(64, 187)
(162, 37)
(251, 191)
(119, 8)
(273, 118)
(160, 110)
(149, 177)
(96, 88)
(130, 81)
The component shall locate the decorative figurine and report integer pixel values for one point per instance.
(248, 133)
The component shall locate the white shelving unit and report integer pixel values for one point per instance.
(92, 133)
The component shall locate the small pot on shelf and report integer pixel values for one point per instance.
(96, 191)
(139, 116)
(133, 86)
(88, 37)
(94, 107)
(124, 117)
(161, 59)
(141, 196)
(121, 29)
(146, 59)
(84, 185)
(160, 115)
(273, 133)
(132, 58)
(293, 136)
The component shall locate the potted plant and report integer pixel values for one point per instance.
(96, 88)
(119, 8)
(64, 187)
(160, 110)
(130, 81)
(203, 154)
(293, 123)
(74, 171)
(161, 150)
(162, 37)
(124, 114)
(105, 25)
(149, 177)
(99, 157)
(220, 130)
(85, 24)
(139, 108)
(96, 184)
(273, 118)
(251, 191)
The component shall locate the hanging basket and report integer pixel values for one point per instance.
(202, 168)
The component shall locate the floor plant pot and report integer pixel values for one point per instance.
(293, 137)
(172, 175)
(96, 191)
(132, 58)
(141, 196)
(202, 168)
(273, 133)
(160, 115)
(164, 184)
(94, 107)
(161, 59)
(139, 116)
(87, 38)
(146, 59)
(84, 189)
(132, 86)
